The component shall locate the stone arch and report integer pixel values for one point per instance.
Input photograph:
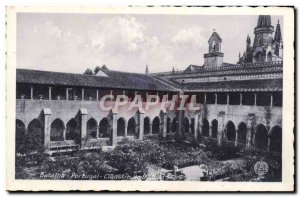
(205, 128)
(261, 137)
(121, 127)
(146, 126)
(20, 135)
(168, 125)
(214, 128)
(269, 57)
(104, 128)
(174, 125)
(91, 128)
(242, 133)
(186, 125)
(57, 129)
(230, 131)
(258, 57)
(276, 139)
(20, 128)
(156, 125)
(73, 130)
(193, 125)
(132, 127)
(36, 134)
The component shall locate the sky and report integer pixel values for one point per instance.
(75, 42)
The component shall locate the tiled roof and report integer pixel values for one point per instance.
(235, 86)
(226, 69)
(115, 79)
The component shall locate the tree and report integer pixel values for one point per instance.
(88, 72)
(97, 68)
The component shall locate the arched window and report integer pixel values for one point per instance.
(91, 128)
(276, 139)
(259, 57)
(261, 137)
(269, 57)
(242, 133)
(186, 125)
(121, 127)
(174, 125)
(57, 130)
(146, 126)
(104, 128)
(193, 125)
(131, 128)
(73, 130)
(205, 128)
(36, 134)
(155, 125)
(214, 125)
(20, 136)
(230, 131)
(168, 125)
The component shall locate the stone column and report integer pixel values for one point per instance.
(241, 99)
(236, 138)
(216, 98)
(97, 132)
(269, 142)
(97, 95)
(31, 92)
(50, 95)
(141, 127)
(227, 99)
(196, 124)
(164, 125)
(250, 122)
(82, 94)
(83, 112)
(220, 129)
(47, 115)
(255, 99)
(271, 101)
(150, 128)
(114, 129)
(210, 131)
(126, 125)
(205, 98)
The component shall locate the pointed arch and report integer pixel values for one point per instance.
(104, 128)
(242, 133)
(20, 128)
(193, 125)
(169, 125)
(121, 127)
(230, 131)
(146, 125)
(174, 124)
(132, 127)
(156, 125)
(205, 128)
(261, 137)
(214, 128)
(276, 139)
(91, 128)
(186, 125)
(36, 134)
(72, 130)
(57, 128)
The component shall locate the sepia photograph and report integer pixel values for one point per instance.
(142, 96)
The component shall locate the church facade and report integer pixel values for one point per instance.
(239, 104)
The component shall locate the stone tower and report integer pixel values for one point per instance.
(278, 44)
(214, 57)
(262, 46)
